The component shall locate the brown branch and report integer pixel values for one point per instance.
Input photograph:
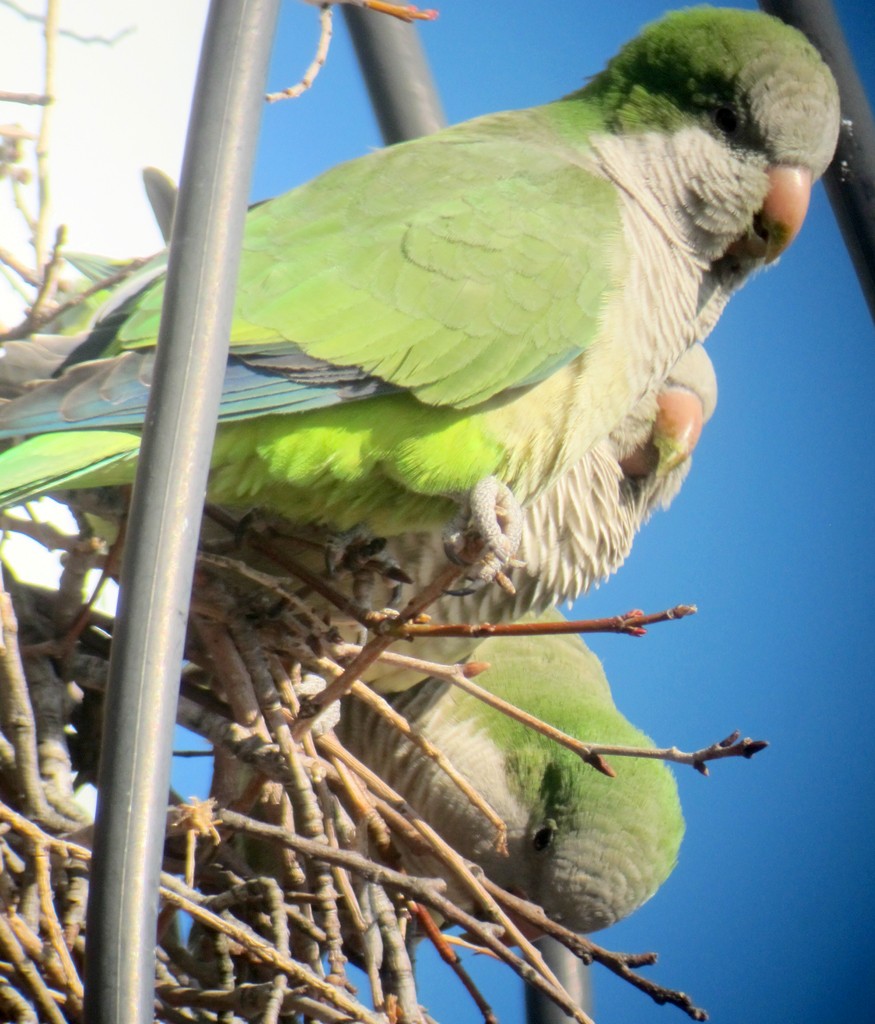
(17, 719)
(28, 973)
(53, 926)
(30, 99)
(36, 320)
(375, 647)
(459, 675)
(352, 862)
(281, 558)
(33, 946)
(592, 753)
(427, 891)
(621, 964)
(632, 624)
(103, 284)
(247, 1001)
(175, 893)
(450, 858)
(383, 708)
(316, 65)
(732, 746)
(272, 584)
(451, 958)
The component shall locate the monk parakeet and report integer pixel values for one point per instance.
(588, 848)
(580, 529)
(474, 310)
(577, 532)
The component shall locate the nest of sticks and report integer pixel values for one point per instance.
(288, 872)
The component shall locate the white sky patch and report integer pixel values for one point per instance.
(120, 107)
(32, 562)
(35, 564)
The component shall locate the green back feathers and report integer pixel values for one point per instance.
(592, 848)
(558, 679)
(52, 462)
(457, 266)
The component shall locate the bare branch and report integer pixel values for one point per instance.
(40, 241)
(27, 275)
(632, 624)
(69, 33)
(621, 964)
(284, 882)
(325, 31)
(30, 99)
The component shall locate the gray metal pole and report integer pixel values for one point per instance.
(850, 180)
(396, 73)
(166, 510)
(571, 973)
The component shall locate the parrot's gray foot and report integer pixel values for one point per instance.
(486, 533)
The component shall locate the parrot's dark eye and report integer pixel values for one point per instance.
(725, 119)
(545, 835)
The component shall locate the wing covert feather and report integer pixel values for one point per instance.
(493, 274)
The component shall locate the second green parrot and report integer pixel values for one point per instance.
(587, 848)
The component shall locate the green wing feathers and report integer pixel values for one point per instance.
(493, 277)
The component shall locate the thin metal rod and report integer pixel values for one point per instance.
(574, 977)
(403, 94)
(850, 179)
(166, 509)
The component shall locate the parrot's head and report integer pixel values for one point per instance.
(596, 848)
(588, 848)
(755, 92)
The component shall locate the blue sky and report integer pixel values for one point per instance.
(767, 916)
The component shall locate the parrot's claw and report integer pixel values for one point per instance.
(357, 551)
(362, 556)
(486, 533)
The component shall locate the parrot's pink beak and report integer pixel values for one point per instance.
(676, 432)
(678, 426)
(780, 217)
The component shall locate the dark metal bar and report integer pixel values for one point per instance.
(396, 73)
(850, 180)
(574, 978)
(166, 511)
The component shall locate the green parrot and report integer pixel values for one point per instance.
(580, 530)
(589, 849)
(458, 320)
(576, 533)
